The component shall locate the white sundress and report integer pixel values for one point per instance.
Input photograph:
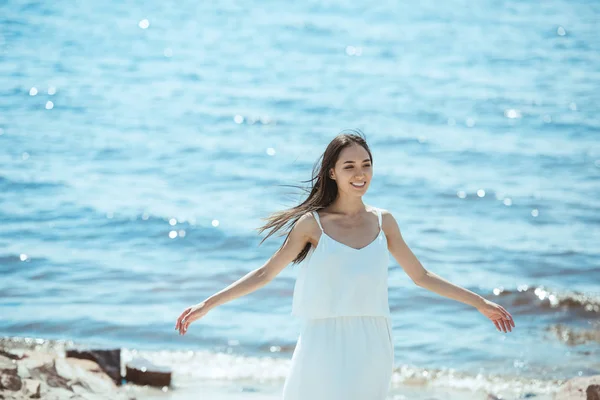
(345, 349)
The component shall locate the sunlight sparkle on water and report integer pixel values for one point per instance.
(522, 288)
(353, 51)
(512, 113)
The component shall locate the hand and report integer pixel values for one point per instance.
(499, 316)
(190, 315)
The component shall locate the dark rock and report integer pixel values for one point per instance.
(108, 360)
(10, 382)
(40, 374)
(143, 372)
(9, 377)
(576, 388)
(593, 392)
(11, 355)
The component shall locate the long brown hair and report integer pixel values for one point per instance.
(322, 190)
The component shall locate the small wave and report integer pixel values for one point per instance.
(192, 366)
(449, 378)
(574, 337)
(532, 300)
(10, 185)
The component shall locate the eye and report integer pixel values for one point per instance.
(350, 167)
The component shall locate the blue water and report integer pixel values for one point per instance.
(138, 158)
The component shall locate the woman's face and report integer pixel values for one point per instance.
(353, 170)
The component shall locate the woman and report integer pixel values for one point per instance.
(345, 349)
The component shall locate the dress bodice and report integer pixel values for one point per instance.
(338, 280)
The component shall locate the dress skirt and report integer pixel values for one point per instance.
(342, 358)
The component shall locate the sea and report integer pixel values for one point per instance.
(142, 143)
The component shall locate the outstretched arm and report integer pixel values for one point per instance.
(435, 283)
(255, 279)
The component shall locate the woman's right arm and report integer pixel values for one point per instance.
(297, 239)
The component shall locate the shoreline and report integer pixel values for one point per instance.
(49, 356)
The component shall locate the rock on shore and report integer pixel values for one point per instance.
(580, 388)
(35, 374)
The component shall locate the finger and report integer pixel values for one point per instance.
(185, 323)
(183, 314)
(508, 315)
(497, 325)
(181, 323)
(503, 325)
(179, 319)
(509, 319)
(512, 321)
(178, 324)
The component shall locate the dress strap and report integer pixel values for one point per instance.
(317, 219)
(379, 217)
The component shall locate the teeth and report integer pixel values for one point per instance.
(355, 184)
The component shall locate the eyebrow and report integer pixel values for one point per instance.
(366, 159)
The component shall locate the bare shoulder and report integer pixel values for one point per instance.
(307, 227)
(388, 222)
(302, 232)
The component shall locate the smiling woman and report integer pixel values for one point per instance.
(345, 350)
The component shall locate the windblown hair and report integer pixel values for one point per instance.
(322, 190)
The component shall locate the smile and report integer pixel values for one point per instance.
(358, 184)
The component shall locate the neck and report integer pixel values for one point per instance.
(350, 206)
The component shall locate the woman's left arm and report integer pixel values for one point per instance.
(435, 283)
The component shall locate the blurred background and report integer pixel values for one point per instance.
(141, 143)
